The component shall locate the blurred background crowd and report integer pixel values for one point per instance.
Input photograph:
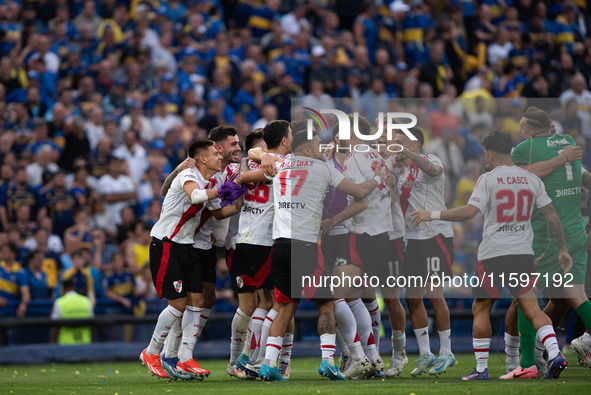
(100, 98)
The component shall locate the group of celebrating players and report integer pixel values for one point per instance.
(291, 210)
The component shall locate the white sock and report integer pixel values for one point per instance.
(264, 334)
(205, 313)
(422, 335)
(257, 321)
(481, 349)
(347, 327)
(445, 342)
(539, 349)
(586, 338)
(272, 350)
(190, 332)
(328, 347)
(376, 320)
(342, 343)
(548, 337)
(511, 349)
(398, 344)
(364, 328)
(166, 320)
(286, 347)
(246, 348)
(173, 340)
(239, 327)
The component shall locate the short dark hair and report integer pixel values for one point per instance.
(498, 141)
(299, 139)
(274, 132)
(537, 118)
(252, 138)
(415, 132)
(296, 126)
(199, 146)
(222, 132)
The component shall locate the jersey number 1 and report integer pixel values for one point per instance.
(568, 168)
(524, 197)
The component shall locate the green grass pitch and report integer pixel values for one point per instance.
(123, 378)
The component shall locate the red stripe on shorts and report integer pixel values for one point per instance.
(353, 251)
(445, 251)
(162, 268)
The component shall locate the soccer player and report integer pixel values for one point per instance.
(299, 190)
(354, 363)
(429, 249)
(554, 159)
(257, 203)
(175, 264)
(368, 249)
(258, 228)
(226, 142)
(396, 313)
(505, 196)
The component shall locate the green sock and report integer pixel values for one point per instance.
(584, 311)
(527, 339)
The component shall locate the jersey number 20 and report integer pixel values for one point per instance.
(507, 198)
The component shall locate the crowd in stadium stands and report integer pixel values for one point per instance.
(100, 98)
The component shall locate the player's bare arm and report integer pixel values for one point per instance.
(186, 164)
(248, 175)
(198, 195)
(228, 211)
(570, 153)
(556, 228)
(258, 154)
(358, 191)
(463, 213)
(425, 165)
(354, 208)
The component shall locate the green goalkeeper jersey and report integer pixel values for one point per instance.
(563, 185)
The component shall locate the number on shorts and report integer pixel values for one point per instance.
(394, 268)
(433, 264)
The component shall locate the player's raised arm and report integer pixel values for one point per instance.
(570, 153)
(537, 123)
(186, 164)
(556, 228)
(463, 213)
(425, 165)
(267, 161)
(248, 175)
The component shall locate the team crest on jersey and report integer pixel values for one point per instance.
(239, 281)
(178, 286)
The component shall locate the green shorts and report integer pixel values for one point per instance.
(546, 258)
